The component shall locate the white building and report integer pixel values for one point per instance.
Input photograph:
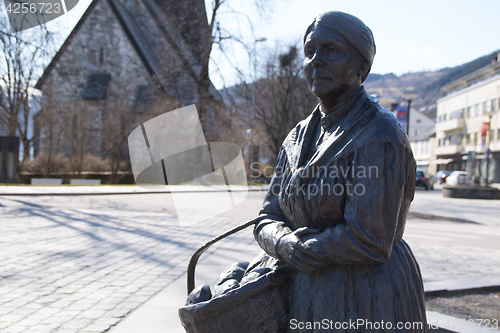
(471, 101)
(423, 146)
(422, 139)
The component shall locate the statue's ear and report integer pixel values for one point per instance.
(364, 68)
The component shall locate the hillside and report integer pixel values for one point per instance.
(390, 88)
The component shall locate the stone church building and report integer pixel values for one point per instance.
(124, 63)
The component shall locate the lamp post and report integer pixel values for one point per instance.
(252, 123)
(408, 97)
(408, 117)
(486, 180)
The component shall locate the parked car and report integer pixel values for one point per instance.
(424, 180)
(440, 176)
(457, 178)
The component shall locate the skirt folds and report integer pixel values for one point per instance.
(384, 297)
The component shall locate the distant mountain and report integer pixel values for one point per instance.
(459, 71)
(390, 88)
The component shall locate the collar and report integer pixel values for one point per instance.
(327, 120)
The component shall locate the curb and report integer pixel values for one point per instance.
(453, 292)
(418, 215)
(37, 194)
(459, 325)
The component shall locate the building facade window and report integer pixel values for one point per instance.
(477, 110)
(493, 104)
(485, 107)
(469, 112)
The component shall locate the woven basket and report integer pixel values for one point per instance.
(259, 306)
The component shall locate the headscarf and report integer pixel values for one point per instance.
(355, 32)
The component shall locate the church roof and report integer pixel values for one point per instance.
(140, 44)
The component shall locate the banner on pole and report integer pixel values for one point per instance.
(402, 115)
(484, 134)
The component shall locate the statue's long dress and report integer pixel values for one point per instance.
(372, 273)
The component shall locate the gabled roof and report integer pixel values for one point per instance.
(426, 134)
(72, 35)
(140, 44)
(178, 43)
(131, 29)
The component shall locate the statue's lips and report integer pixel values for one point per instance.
(321, 78)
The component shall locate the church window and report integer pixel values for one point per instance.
(101, 55)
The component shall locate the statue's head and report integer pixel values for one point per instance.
(339, 50)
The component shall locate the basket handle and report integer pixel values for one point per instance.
(199, 252)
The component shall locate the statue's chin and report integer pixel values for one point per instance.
(320, 90)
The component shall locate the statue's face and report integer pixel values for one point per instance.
(331, 66)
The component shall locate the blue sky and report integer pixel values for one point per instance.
(410, 36)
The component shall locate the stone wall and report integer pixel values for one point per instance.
(99, 46)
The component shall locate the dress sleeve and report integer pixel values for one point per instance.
(271, 225)
(374, 201)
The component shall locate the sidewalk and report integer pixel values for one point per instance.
(432, 205)
(84, 270)
(443, 268)
(37, 190)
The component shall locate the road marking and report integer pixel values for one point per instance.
(426, 237)
(468, 230)
(458, 236)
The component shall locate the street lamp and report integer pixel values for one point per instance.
(490, 115)
(408, 117)
(408, 98)
(252, 124)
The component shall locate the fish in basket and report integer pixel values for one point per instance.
(256, 301)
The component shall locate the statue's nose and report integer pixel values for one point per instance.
(316, 59)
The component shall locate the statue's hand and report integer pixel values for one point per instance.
(298, 255)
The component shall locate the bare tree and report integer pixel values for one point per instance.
(51, 129)
(23, 55)
(119, 117)
(202, 33)
(281, 99)
(80, 135)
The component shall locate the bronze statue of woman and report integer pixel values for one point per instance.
(336, 208)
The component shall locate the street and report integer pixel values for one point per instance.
(83, 263)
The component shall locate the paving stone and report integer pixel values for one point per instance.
(4, 324)
(15, 329)
(83, 271)
(77, 323)
(95, 328)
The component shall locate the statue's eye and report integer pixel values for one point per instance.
(331, 49)
(309, 52)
